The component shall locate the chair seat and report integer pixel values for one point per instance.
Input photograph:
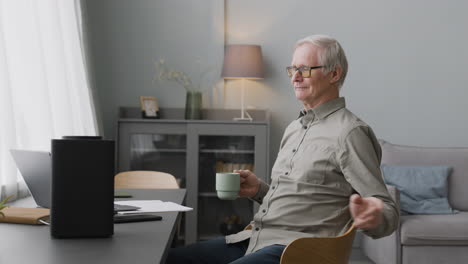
(435, 229)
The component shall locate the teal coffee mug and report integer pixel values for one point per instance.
(227, 185)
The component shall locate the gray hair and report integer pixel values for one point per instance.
(330, 56)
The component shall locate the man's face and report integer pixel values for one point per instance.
(316, 89)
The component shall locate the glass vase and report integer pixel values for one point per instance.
(193, 105)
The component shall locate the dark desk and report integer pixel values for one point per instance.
(142, 242)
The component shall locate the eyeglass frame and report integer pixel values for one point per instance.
(301, 69)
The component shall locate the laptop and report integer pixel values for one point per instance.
(36, 169)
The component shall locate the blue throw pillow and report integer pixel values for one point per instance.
(423, 189)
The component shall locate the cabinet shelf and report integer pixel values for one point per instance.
(154, 150)
(227, 151)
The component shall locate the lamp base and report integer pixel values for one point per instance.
(246, 117)
(242, 119)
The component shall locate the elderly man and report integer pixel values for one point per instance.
(326, 176)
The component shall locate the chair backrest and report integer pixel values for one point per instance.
(320, 250)
(145, 180)
(455, 157)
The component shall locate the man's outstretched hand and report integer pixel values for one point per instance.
(367, 212)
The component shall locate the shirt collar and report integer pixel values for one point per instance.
(323, 110)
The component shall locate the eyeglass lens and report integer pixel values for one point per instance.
(303, 71)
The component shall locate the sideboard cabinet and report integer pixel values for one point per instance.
(193, 151)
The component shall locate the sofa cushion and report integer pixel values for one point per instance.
(434, 229)
(423, 188)
(454, 157)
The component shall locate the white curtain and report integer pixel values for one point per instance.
(44, 89)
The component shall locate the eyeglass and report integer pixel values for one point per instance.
(304, 71)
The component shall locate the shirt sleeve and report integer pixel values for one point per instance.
(262, 191)
(360, 163)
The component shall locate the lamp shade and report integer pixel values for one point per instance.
(243, 61)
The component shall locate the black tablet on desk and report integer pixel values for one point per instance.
(128, 218)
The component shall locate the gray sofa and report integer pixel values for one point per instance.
(427, 238)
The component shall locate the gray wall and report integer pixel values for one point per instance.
(126, 38)
(408, 59)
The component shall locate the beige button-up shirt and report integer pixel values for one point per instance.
(325, 156)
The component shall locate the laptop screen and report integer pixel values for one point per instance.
(36, 169)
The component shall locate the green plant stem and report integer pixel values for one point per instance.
(2, 204)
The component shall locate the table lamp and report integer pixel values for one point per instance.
(243, 62)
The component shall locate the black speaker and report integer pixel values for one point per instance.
(82, 187)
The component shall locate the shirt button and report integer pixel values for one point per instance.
(256, 229)
(287, 173)
(305, 127)
(273, 187)
(294, 150)
(264, 210)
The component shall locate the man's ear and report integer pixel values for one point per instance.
(335, 75)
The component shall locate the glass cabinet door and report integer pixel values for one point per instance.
(154, 147)
(159, 152)
(222, 154)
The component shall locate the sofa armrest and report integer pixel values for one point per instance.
(386, 250)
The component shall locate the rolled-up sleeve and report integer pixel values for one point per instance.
(262, 191)
(359, 158)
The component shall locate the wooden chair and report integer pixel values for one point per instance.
(319, 250)
(145, 180)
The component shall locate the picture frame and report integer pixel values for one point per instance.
(149, 107)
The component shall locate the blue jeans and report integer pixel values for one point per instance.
(216, 251)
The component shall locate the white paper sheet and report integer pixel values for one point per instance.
(153, 206)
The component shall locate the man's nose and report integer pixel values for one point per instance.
(297, 77)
